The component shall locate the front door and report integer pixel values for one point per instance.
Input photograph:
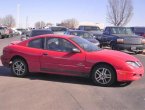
(59, 58)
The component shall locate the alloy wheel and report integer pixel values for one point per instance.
(103, 76)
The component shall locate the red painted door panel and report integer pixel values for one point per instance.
(63, 62)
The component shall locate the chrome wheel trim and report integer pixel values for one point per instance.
(19, 68)
(103, 76)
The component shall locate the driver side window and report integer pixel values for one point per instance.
(59, 44)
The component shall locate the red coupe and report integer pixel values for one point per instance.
(70, 55)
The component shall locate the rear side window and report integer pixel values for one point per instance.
(37, 43)
(140, 30)
(81, 27)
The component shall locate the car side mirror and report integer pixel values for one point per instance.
(75, 50)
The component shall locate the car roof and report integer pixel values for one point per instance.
(88, 26)
(77, 31)
(116, 27)
(58, 26)
(41, 30)
(138, 27)
(53, 35)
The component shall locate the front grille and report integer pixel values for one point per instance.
(132, 40)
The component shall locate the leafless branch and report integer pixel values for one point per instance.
(119, 12)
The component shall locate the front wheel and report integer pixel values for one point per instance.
(113, 46)
(103, 75)
(19, 68)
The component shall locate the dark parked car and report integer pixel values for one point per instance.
(84, 34)
(4, 32)
(36, 32)
(21, 31)
(139, 30)
(121, 38)
(58, 29)
(94, 30)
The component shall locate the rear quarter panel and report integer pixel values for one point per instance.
(31, 55)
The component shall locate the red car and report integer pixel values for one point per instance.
(70, 55)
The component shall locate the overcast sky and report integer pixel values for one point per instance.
(57, 10)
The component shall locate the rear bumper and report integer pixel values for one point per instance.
(130, 47)
(5, 61)
(133, 75)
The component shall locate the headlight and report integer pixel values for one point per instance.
(134, 64)
(120, 41)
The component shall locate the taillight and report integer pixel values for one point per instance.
(143, 41)
(120, 41)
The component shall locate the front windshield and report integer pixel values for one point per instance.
(121, 30)
(84, 35)
(85, 44)
(91, 28)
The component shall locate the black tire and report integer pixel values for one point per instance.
(0, 36)
(140, 52)
(101, 45)
(113, 46)
(8, 36)
(19, 67)
(103, 75)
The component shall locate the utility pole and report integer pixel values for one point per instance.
(18, 15)
(27, 22)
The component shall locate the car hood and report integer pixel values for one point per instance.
(126, 35)
(92, 40)
(111, 55)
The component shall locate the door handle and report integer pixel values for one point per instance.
(45, 54)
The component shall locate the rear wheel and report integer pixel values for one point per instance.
(2, 36)
(103, 75)
(7, 36)
(19, 68)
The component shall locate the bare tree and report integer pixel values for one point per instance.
(9, 21)
(69, 23)
(39, 24)
(119, 12)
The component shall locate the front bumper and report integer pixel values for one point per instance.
(133, 75)
(130, 47)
